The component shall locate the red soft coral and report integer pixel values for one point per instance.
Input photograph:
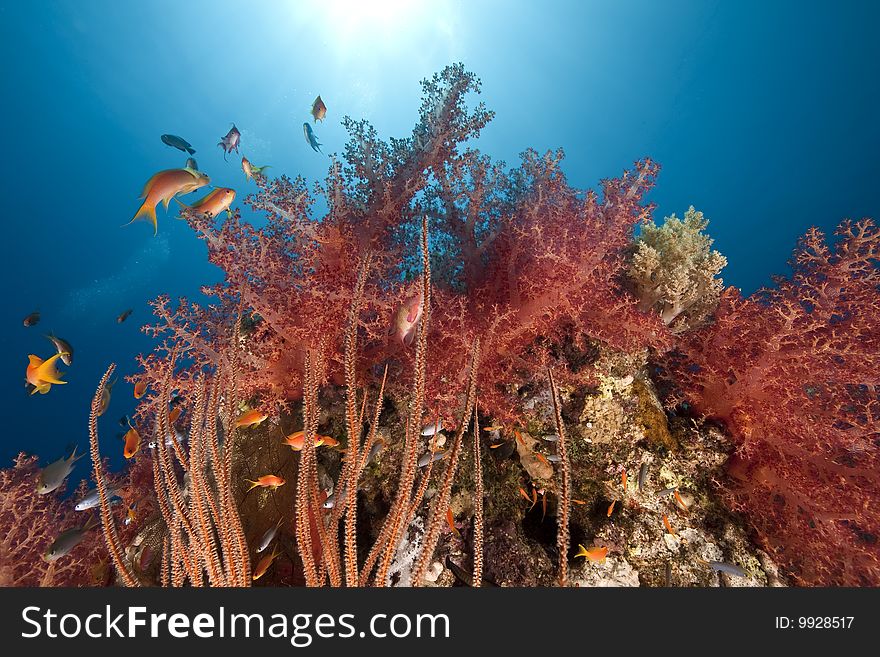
(794, 373)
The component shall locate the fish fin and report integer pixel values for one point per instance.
(47, 372)
(42, 389)
(146, 212)
(34, 361)
(191, 151)
(73, 458)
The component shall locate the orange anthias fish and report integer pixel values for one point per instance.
(623, 480)
(42, 373)
(668, 525)
(594, 554)
(213, 203)
(174, 414)
(264, 564)
(680, 501)
(132, 442)
(266, 481)
(319, 109)
(140, 389)
(611, 508)
(251, 418)
(296, 440)
(451, 522)
(252, 171)
(406, 320)
(164, 186)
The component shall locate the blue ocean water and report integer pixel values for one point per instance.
(763, 115)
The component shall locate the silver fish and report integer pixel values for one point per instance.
(666, 492)
(181, 439)
(268, 536)
(551, 437)
(432, 429)
(54, 474)
(729, 568)
(68, 540)
(230, 142)
(91, 499)
(374, 451)
(330, 502)
(427, 457)
(643, 476)
(311, 138)
(554, 458)
(62, 347)
(178, 142)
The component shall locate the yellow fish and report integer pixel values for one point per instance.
(164, 186)
(41, 374)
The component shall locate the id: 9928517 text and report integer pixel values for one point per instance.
(814, 622)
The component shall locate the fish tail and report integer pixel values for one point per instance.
(253, 484)
(191, 151)
(146, 212)
(91, 523)
(47, 372)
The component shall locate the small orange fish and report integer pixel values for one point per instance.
(543, 506)
(680, 501)
(578, 501)
(42, 373)
(668, 526)
(174, 414)
(132, 442)
(406, 320)
(213, 203)
(319, 109)
(594, 554)
(519, 437)
(130, 514)
(522, 491)
(264, 564)
(451, 522)
(611, 508)
(296, 440)
(496, 427)
(327, 441)
(266, 481)
(541, 458)
(251, 418)
(140, 389)
(623, 480)
(495, 446)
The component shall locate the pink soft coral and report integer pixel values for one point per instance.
(794, 373)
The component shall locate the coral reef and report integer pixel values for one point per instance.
(522, 316)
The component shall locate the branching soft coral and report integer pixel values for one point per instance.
(522, 260)
(794, 372)
(29, 523)
(674, 270)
